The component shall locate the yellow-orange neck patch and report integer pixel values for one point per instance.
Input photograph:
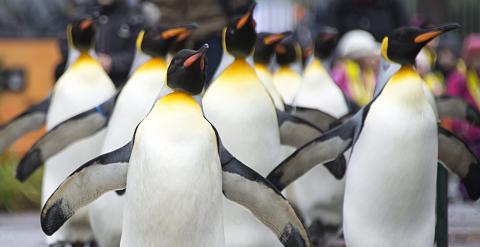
(152, 64)
(178, 99)
(84, 59)
(262, 67)
(404, 72)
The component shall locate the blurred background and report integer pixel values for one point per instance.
(33, 54)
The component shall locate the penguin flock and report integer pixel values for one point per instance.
(168, 161)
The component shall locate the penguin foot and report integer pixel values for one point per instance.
(320, 234)
(316, 232)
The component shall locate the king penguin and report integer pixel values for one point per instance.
(318, 90)
(119, 115)
(134, 100)
(175, 170)
(35, 116)
(84, 85)
(402, 193)
(318, 194)
(241, 109)
(262, 56)
(286, 80)
(133, 104)
(389, 194)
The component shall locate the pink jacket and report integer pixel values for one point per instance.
(456, 86)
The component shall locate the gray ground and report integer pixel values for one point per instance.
(23, 230)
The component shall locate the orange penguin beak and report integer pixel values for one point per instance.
(86, 24)
(198, 55)
(246, 17)
(434, 32)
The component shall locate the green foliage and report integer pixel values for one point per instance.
(16, 196)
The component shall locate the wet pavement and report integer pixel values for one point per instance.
(23, 230)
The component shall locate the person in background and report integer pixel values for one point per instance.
(211, 16)
(448, 54)
(378, 17)
(425, 61)
(118, 24)
(438, 60)
(466, 84)
(356, 70)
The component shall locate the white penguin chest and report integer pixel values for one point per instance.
(244, 116)
(287, 82)
(319, 91)
(133, 104)
(391, 176)
(78, 90)
(174, 185)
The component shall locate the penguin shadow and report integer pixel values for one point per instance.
(76, 244)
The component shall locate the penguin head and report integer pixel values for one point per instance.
(265, 46)
(81, 33)
(403, 44)
(325, 42)
(156, 41)
(239, 36)
(186, 71)
(288, 51)
(180, 42)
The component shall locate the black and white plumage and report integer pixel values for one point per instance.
(177, 170)
(82, 125)
(391, 175)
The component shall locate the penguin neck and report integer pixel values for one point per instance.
(316, 63)
(405, 86)
(154, 63)
(239, 72)
(177, 99)
(262, 67)
(405, 72)
(84, 58)
(240, 63)
(285, 69)
(317, 60)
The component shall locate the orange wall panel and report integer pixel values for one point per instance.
(38, 58)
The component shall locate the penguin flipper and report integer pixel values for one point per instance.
(33, 118)
(67, 132)
(457, 157)
(457, 108)
(248, 188)
(294, 131)
(327, 149)
(322, 120)
(99, 175)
